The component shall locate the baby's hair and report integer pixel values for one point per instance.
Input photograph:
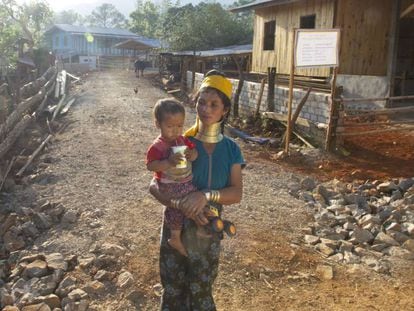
(167, 106)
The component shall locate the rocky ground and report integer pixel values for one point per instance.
(79, 231)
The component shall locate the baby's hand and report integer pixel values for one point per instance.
(175, 158)
(191, 154)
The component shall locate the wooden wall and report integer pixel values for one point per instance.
(287, 18)
(365, 32)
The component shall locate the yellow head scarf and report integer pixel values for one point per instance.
(217, 82)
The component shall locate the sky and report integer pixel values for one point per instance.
(85, 7)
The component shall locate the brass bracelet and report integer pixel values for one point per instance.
(175, 203)
(215, 196)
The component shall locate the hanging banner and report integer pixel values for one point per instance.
(317, 48)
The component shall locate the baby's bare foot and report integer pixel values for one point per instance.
(178, 245)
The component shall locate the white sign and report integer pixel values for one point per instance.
(317, 48)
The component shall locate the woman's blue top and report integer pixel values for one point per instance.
(226, 153)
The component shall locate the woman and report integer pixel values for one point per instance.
(188, 281)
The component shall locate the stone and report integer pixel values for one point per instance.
(398, 236)
(387, 187)
(135, 296)
(67, 285)
(51, 300)
(378, 247)
(105, 261)
(349, 226)
(77, 306)
(325, 249)
(12, 241)
(6, 298)
(396, 195)
(102, 275)
(409, 245)
(85, 263)
(47, 284)
(29, 229)
(369, 219)
(321, 190)
(393, 226)
(94, 288)
(361, 236)
(324, 272)
(399, 252)
(69, 217)
(57, 211)
(293, 189)
(56, 261)
(405, 184)
(42, 221)
(311, 239)
(308, 184)
(37, 307)
(306, 196)
(10, 308)
(386, 239)
(125, 280)
(112, 250)
(351, 258)
(37, 268)
(346, 247)
(77, 294)
(10, 221)
(410, 229)
(337, 257)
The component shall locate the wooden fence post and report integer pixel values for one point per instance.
(271, 74)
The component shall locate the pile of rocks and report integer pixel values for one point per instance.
(19, 226)
(53, 282)
(360, 222)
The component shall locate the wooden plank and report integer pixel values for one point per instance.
(359, 133)
(407, 11)
(332, 113)
(33, 155)
(374, 99)
(290, 99)
(9, 167)
(259, 99)
(283, 118)
(58, 107)
(14, 134)
(365, 113)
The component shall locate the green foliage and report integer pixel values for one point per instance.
(204, 26)
(68, 17)
(145, 20)
(107, 15)
(27, 21)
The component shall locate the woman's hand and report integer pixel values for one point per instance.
(193, 204)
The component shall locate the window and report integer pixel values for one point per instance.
(308, 21)
(269, 36)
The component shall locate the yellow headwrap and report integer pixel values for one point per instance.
(217, 82)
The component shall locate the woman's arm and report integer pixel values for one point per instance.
(193, 204)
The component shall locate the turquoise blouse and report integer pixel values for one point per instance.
(225, 155)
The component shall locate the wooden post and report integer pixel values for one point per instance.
(393, 48)
(194, 70)
(271, 74)
(291, 81)
(259, 99)
(239, 88)
(297, 113)
(332, 113)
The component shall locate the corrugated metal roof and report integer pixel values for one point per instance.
(140, 43)
(228, 50)
(116, 32)
(260, 4)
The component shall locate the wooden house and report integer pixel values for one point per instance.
(377, 42)
(71, 40)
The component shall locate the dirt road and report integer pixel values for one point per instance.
(97, 169)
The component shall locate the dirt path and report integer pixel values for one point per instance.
(97, 169)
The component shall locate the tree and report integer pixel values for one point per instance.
(204, 26)
(146, 19)
(31, 19)
(68, 17)
(107, 15)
